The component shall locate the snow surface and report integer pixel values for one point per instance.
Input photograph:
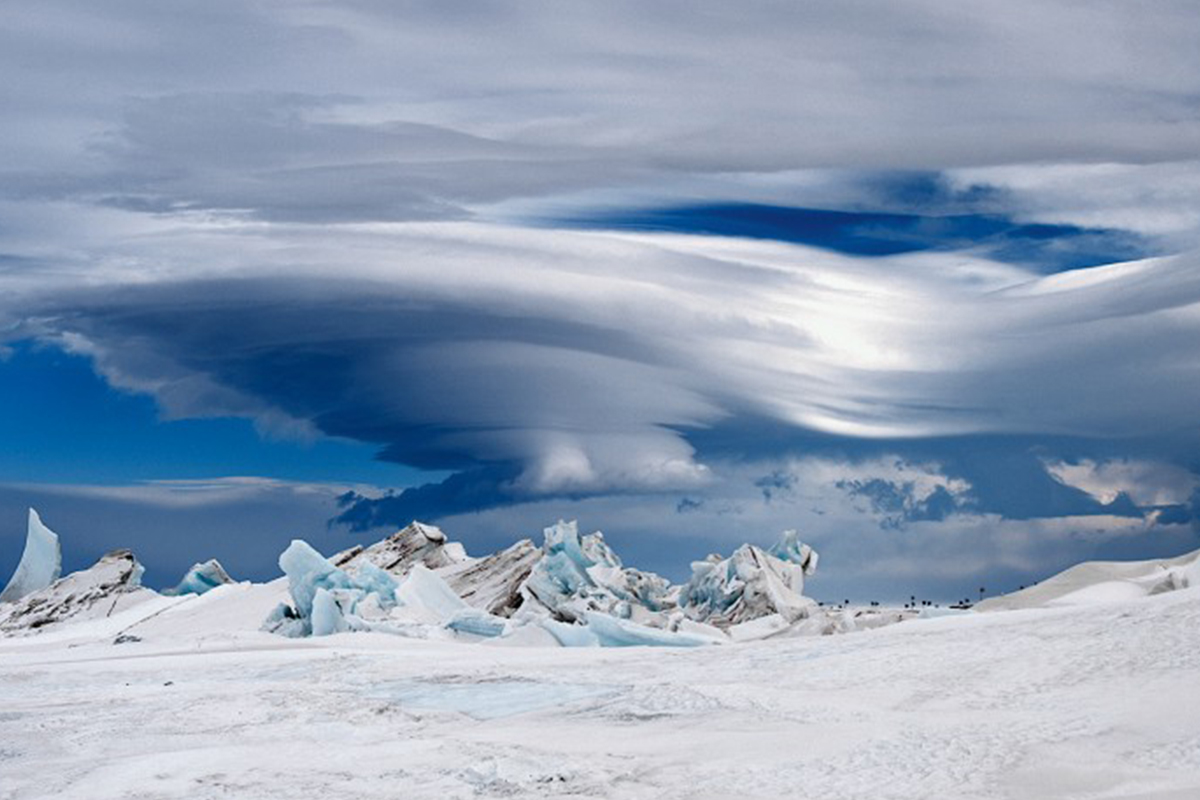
(1103, 581)
(534, 673)
(41, 561)
(1079, 701)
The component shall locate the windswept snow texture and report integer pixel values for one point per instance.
(41, 561)
(201, 578)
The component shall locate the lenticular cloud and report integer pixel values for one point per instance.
(584, 358)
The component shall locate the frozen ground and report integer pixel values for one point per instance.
(1100, 700)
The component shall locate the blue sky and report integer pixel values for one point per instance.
(918, 280)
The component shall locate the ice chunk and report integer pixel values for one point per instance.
(343, 599)
(307, 570)
(41, 561)
(579, 574)
(751, 583)
(790, 548)
(612, 632)
(425, 595)
(328, 613)
(284, 621)
(201, 578)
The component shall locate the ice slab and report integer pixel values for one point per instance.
(612, 632)
(41, 561)
(477, 622)
(426, 595)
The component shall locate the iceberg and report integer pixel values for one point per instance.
(200, 579)
(41, 561)
(573, 588)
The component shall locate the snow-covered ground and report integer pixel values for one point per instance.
(1096, 700)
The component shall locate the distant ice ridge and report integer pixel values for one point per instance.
(571, 591)
(41, 561)
(573, 588)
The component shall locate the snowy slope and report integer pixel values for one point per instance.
(1095, 582)
(1043, 703)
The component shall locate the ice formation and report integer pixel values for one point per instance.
(41, 561)
(417, 543)
(750, 584)
(96, 591)
(574, 587)
(577, 574)
(573, 590)
(326, 599)
(201, 578)
(493, 583)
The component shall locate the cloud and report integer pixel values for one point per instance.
(354, 111)
(1147, 483)
(585, 360)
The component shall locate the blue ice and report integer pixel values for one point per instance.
(325, 597)
(201, 578)
(612, 632)
(41, 561)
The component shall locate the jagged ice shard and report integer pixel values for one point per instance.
(40, 564)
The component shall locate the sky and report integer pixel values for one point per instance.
(920, 280)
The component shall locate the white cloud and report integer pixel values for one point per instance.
(1147, 483)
